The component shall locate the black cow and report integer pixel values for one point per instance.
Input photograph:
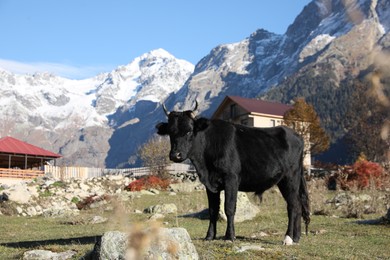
(236, 158)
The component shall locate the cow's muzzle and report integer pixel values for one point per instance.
(176, 157)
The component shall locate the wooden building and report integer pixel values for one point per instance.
(19, 159)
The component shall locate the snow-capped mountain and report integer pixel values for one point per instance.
(73, 116)
(351, 30)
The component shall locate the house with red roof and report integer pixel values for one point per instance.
(19, 159)
(255, 113)
(251, 112)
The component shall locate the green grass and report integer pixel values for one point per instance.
(336, 238)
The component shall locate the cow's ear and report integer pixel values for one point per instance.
(201, 124)
(162, 128)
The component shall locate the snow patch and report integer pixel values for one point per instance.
(315, 45)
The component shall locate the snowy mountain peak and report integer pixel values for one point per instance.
(152, 76)
(54, 110)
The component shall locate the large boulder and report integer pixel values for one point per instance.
(151, 243)
(245, 209)
(20, 193)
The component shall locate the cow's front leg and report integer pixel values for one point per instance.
(231, 190)
(214, 201)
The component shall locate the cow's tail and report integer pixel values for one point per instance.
(304, 196)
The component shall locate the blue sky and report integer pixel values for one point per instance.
(81, 38)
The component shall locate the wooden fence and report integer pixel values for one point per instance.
(20, 174)
(66, 172)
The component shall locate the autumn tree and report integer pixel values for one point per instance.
(154, 153)
(305, 121)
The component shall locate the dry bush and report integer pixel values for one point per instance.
(362, 175)
(148, 182)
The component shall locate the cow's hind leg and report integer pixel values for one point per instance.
(214, 201)
(230, 209)
(290, 193)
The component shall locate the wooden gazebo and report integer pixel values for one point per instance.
(19, 159)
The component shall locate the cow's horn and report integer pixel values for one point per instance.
(165, 109)
(196, 105)
(193, 114)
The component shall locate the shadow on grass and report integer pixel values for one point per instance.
(378, 221)
(61, 241)
(239, 239)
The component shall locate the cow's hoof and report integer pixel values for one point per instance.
(230, 238)
(209, 238)
(287, 241)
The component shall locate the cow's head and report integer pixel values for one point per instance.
(182, 128)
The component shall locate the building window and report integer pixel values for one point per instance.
(244, 121)
(233, 111)
(273, 123)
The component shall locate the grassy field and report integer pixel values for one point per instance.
(330, 237)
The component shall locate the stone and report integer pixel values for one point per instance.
(245, 210)
(163, 209)
(84, 187)
(97, 220)
(19, 193)
(173, 243)
(146, 192)
(244, 248)
(154, 191)
(19, 210)
(115, 177)
(149, 243)
(47, 255)
(156, 216)
(97, 204)
(113, 245)
(31, 211)
(183, 186)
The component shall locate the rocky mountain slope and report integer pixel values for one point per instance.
(76, 117)
(342, 34)
(102, 121)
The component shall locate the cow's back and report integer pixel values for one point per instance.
(266, 155)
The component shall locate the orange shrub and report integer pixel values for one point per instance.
(148, 182)
(362, 174)
(365, 172)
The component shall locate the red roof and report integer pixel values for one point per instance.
(260, 106)
(14, 146)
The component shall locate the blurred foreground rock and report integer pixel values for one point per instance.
(150, 243)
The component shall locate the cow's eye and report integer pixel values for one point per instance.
(188, 133)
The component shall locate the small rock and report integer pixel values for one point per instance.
(154, 191)
(156, 216)
(31, 211)
(19, 210)
(163, 209)
(244, 248)
(97, 220)
(47, 255)
(146, 192)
